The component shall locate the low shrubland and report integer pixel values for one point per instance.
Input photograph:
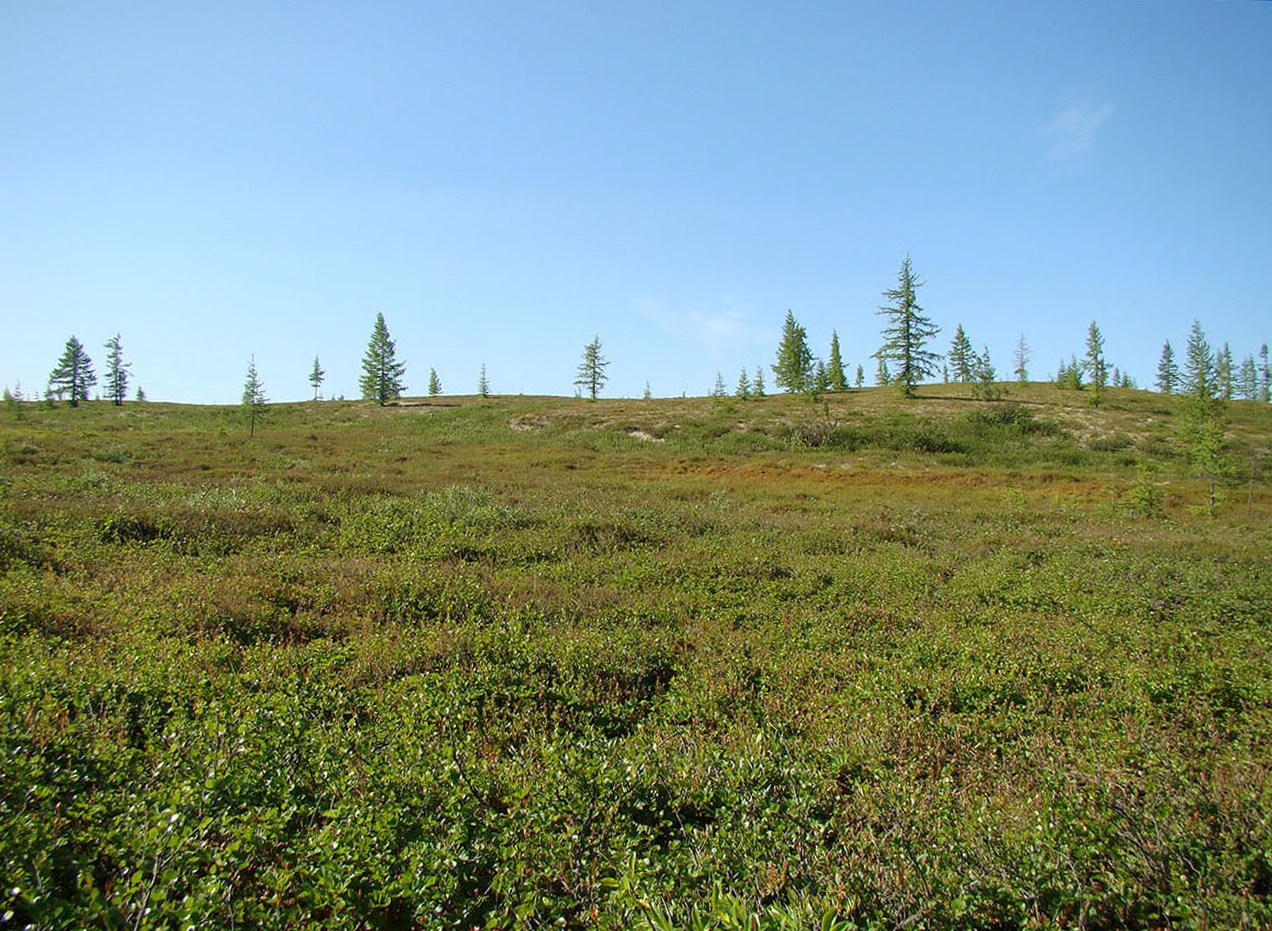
(668, 664)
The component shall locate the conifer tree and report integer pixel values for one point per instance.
(434, 384)
(1224, 372)
(821, 378)
(882, 375)
(254, 399)
(1199, 366)
(116, 371)
(1095, 365)
(757, 383)
(649, 394)
(961, 356)
(73, 374)
(835, 367)
(316, 376)
(1022, 360)
(743, 389)
(483, 385)
(860, 378)
(1248, 379)
(381, 372)
(907, 333)
(1167, 370)
(793, 370)
(591, 377)
(1265, 374)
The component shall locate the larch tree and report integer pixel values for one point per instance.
(382, 373)
(116, 371)
(1167, 370)
(907, 333)
(1248, 379)
(1022, 360)
(1096, 367)
(793, 370)
(835, 366)
(316, 377)
(254, 399)
(590, 376)
(1224, 372)
(1265, 374)
(961, 356)
(73, 374)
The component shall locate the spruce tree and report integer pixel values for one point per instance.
(907, 332)
(1248, 379)
(316, 376)
(73, 374)
(1265, 374)
(743, 389)
(882, 375)
(590, 376)
(381, 379)
(1022, 360)
(1095, 365)
(483, 385)
(116, 371)
(835, 367)
(649, 394)
(860, 378)
(821, 378)
(434, 384)
(254, 399)
(962, 356)
(1199, 366)
(757, 383)
(1167, 370)
(1224, 372)
(793, 370)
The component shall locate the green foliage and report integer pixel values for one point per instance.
(962, 357)
(590, 376)
(316, 376)
(116, 371)
(254, 401)
(73, 376)
(1167, 370)
(381, 379)
(906, 333)
(835, 379)
(634, 664)
(1096, 368)
(793, 370)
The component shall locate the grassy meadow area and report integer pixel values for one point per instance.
(683, 663)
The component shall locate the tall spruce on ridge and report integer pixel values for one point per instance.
(116, 371)
(907, 332)
(1022, 360)
(73, 373)
(793, 370)
(1167, 370)
(381, 379)
(1094, 363)
(254, 398)
(837, 381)
(1203, 421)
(316, 376)
(962, 357)
(590, 376)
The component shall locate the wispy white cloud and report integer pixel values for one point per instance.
(710, 328)
(1074, 129)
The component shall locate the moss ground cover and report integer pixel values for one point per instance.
(526, 662)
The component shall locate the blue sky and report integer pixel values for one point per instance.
(504, 180)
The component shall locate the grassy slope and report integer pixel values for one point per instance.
(522, 660)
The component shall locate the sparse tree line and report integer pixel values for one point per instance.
(904, 359)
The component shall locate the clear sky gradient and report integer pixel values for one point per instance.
(504, 180)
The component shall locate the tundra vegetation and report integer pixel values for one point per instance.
(530, 662)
